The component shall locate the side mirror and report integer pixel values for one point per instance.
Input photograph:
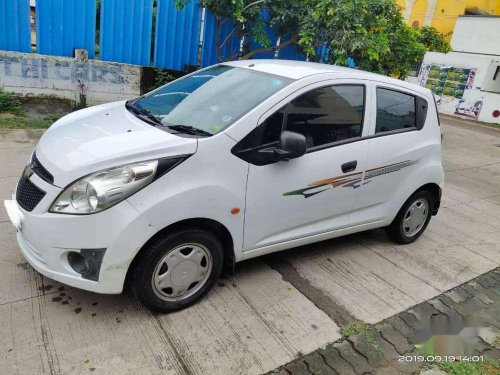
(291, 145)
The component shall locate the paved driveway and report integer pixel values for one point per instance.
(277, 308)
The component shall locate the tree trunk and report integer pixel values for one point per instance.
(218, 48)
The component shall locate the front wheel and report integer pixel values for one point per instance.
(412, 218)
(177, 269)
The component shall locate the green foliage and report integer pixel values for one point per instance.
(488, 367)
(163, 77)
(372, 32)
(26, 123)
(432, 39)
(10, 103)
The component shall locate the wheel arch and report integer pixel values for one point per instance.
(435, 191)
(209, 225)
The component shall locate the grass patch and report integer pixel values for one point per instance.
(18, 122)
(10, 104)
(355, 328)
(490, 124)
(12, 114)
(488, 367)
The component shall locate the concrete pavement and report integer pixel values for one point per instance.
(278, 308)
(463, 322)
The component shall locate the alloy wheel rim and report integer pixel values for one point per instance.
(415, 217)
(182, 272)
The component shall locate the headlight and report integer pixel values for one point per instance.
(101, 190)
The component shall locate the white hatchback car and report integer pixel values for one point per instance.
(228, 163)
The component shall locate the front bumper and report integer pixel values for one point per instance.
(45, 239)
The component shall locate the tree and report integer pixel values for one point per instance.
(372, 32)
(245, 21)
(432, 39)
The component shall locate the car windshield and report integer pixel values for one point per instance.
(209, 101)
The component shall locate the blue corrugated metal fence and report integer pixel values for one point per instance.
(63, 25)
(125, 33)
(177, 35)
(15, 25)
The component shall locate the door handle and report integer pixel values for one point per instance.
(349, 166)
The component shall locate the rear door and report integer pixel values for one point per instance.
(395, 146)
(313, 194)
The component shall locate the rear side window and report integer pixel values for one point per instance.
(395, 111)
(328, 114)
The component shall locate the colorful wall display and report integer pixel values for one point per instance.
(446, 80)
(450, 84)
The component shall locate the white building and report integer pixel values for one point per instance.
(467, 80)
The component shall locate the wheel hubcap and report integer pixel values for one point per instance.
(182, 272)
(415, 217)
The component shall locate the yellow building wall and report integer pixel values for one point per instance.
(494, 6)
(445, 13)
(418, 13)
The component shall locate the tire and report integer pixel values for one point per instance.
(400, 230)
(164, 277)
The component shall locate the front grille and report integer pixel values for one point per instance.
(27, 194)
(40, 170)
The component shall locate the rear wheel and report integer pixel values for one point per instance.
(177, 269)
(412, 218)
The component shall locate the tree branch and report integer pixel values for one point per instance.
(228, 36)
(252, 4)
(254, 52)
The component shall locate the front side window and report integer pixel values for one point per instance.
(273, 127)
(212, 99)
(328, 114)
(395, 111)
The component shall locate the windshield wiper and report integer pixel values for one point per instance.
(189, 130)
(143, 112)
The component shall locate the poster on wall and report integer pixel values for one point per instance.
(436, 78)
(454, 89)
(469, 108)
(446, 80)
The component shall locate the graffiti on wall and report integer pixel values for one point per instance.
(81, 79)
(74, 72)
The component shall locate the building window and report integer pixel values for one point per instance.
(492, 79)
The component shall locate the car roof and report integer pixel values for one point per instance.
(301, 69)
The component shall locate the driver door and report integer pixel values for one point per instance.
(312, 194)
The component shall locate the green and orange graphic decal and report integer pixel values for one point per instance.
(353, 180)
